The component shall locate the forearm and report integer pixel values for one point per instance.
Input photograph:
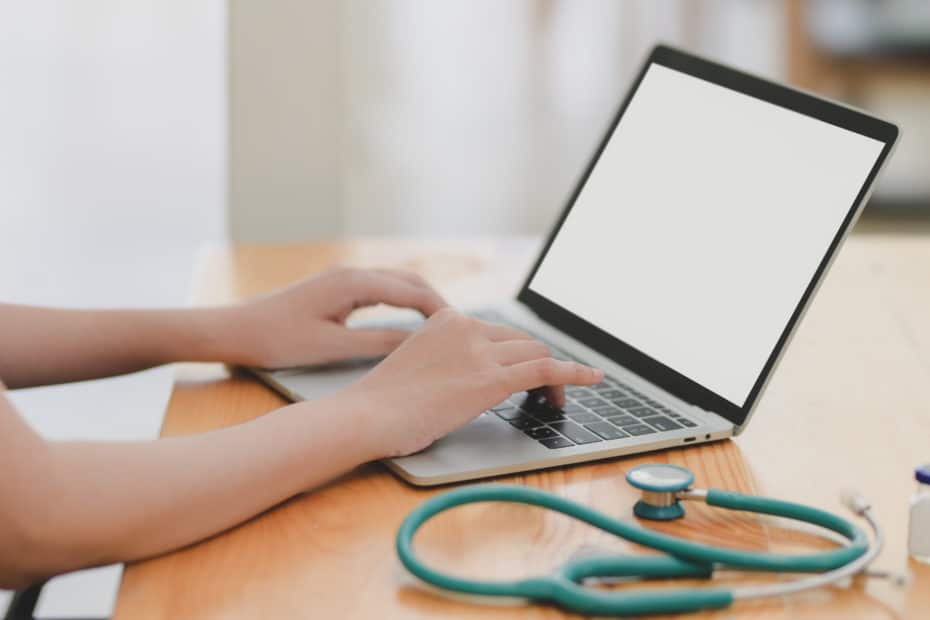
(96, 503)
(43, 346)
(299, 325)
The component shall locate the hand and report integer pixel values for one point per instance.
(447, 373)
(304, 324)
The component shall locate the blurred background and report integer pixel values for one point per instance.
(132, 132)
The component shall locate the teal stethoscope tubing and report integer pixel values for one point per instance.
(684, 559)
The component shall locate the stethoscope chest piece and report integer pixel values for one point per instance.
(660, 484)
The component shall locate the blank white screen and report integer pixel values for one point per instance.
(701, 225)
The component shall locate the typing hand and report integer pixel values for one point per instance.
(447, 373)
(305, 323)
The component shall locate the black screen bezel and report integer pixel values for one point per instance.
(637, 361)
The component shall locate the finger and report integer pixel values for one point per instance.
(496, 332)
(374, 288)
(553, 394)
(548, 371)
(407, 276)
(515, 351)
(362, 342)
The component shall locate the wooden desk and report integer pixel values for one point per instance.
(849, 407)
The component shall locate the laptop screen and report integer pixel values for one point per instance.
(701, 225)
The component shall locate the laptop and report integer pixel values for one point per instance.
(683, 261)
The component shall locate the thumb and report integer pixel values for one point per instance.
(365, 342)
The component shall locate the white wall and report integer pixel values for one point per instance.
(285, 108)
(112, 173)
(452, 118)
(113, 125)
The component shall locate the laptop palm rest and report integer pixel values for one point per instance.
(310, 383)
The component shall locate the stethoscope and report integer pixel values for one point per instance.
(663, 488)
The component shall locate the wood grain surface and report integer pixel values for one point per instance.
(849, 407)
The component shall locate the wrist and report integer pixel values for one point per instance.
(217, 334)
(360, 413)
(234, 336)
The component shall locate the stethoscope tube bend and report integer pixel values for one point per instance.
(684, 558)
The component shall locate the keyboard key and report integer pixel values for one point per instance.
(548, 415)
(572, 408)
(638, 429)
(543, 432)
(626, 403)
(556, 442)
(643, 412)
(662, 423)
(508, 413)
(686, 422)
(577, 392)
(592, 402)
(612, 394)
(606, 430)
(608, 410)
(534, 402)
(584, 417)
(525, 422)
(606, 384)
(623, 420)
(575, 432)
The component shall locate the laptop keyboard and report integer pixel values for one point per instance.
(607, 411)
